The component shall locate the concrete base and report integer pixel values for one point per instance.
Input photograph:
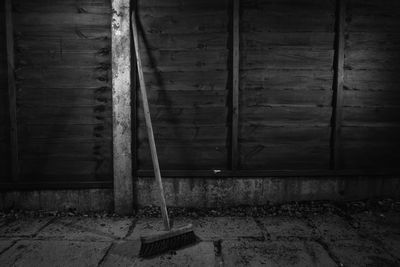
(211, 192)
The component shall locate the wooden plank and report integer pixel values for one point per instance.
(338, 84)
(261, 40)
(121, 95)
(32, 77)
(353, 98)
(61, 59)
(235, 86)
(280, 58)
(67, 31)
(286, 115)
(371, 116)
(12, 101)
(371, 59)
(292, 156)
(62, 45)
(286, 79)
(53, 19)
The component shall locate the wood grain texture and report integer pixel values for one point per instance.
(63, 60)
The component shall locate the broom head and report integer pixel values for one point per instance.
(167, 240)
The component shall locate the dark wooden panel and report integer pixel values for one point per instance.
(67, 31)
(64, 78)
(36, 19)
(286, 79)
(371, 59)
(285, 156)
(182, 3)
(64, 115)
(261, 40)
(186, 23)
(188, 80)
(264, 97)
(60, 6)
(375, 40)
(188, 99)
(186, 116)
(63, 60)
(192, 157)
(64, 97)
(278, 58)
(286, 115)
(185, 60)
(371, 98)
(60, 170)
(371, 116)
(59, 46)
(372, 80)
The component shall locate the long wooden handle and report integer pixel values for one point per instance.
(149, 126)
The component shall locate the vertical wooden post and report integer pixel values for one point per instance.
(12, 94)
(121, 98)
(338, 83)
(235, 86)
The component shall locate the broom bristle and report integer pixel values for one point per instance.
(167, 244)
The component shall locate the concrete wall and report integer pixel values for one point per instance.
(201, 192)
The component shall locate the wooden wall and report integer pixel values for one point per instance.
(286, 84)
(62, 52)
(186, 53)
(288, 68)
(371, 113)
(4, 118)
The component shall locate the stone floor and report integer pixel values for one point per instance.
(318, 240)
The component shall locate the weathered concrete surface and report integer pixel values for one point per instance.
(79, 200)
(87, 229)
(54, 253)
(317, 240)
(286, 227)
(126, 254)
(220, 192)
(276, 253)
(23, 227)
(209, 228)
(210, 192)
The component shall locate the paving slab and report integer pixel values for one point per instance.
(126, 254)
(274, 253)
(54, 253)
(359, 252)
(208, 228)
(333, 228)
(5, 244)
(287, 227)
(24, 227)
(86, 229)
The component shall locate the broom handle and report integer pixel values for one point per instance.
(149, 126)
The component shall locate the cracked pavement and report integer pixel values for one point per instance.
(362, 239)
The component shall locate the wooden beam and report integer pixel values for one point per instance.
(12, 95)
(338, 83)
(121, 97)
(235, 87)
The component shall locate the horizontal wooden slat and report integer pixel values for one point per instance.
(191, 116)
(371, 98)
(188, 80)
(63, 78)
(284, 157)
(51, 19)
(253, 134)
(377, 135)
(67, 31)
(201, 157)
(65, 151)
(181, 3)
(371, 116)
(186, 23)
(375, 40)
(263, 40)
(67, 6)
(64, 115)
(371, 59)
(307, 59)
(200, 41)
(65, 133)
(286, 79)
(286, 115)
(64, 97)
(185, 60)
(64, 60)
(372, 79)
(374, 24)
(54, 170)
(62, 45)
(262, 97)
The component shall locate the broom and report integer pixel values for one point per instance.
(170, 239)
